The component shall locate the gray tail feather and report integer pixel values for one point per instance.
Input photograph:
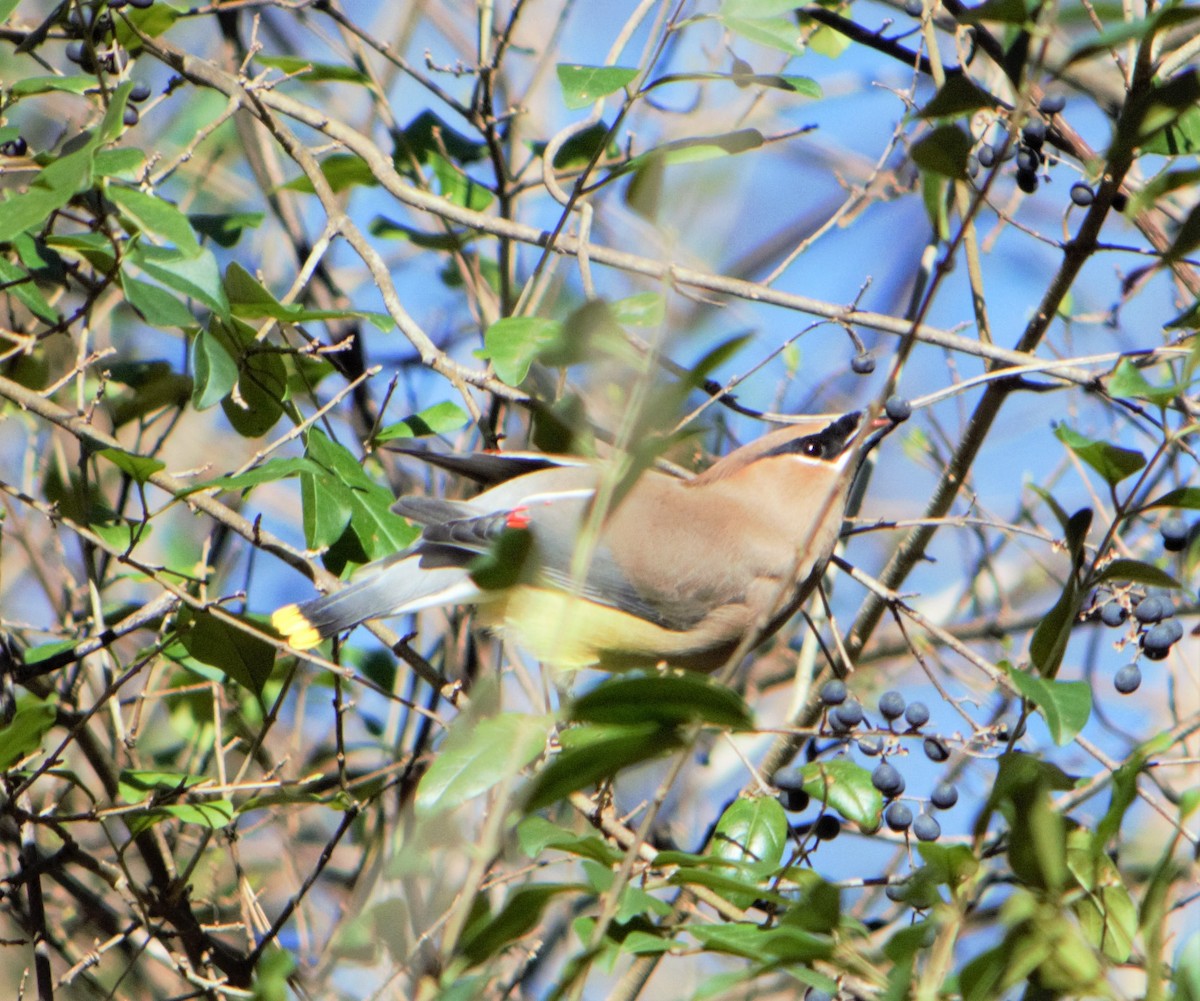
(402, 587)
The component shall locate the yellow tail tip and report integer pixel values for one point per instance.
(290, 622)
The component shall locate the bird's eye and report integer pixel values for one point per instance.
(812, 447)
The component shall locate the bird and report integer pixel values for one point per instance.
(677, 572)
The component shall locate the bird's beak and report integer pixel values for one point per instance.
(874, 431)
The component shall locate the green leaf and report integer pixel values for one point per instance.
(458, 187)
(20, 284)
(646, 309)
(270, 471)
(250, 300)
(239, 654)
(441, 418)
(23, 733)
(753, 941)
(845, 786)
(1120, 32)
(1037, 832)
(959, 95)
(195, 276)
(478, 757)
(155, 305)
(214, 372)
(124, 162)
(29, 210)
(948, 865)
(157, 217)
(255, 403)
(389, 229)
(1066, 706)
(739, 890)
(429, 133)
(140, 467)
(944, 151)
(136, 785)
(77, 84)
(380, 532)
(211, 813)
(310, 72)
(1048, 645)
(1004, 11)
(326, 509)
(1127, 382)
(763, 23)
(1136, 572)
(583, 85)
(341, 170)
(225, 228)
(1106, 912)
(695, 150)
(521, 913)
(536, 834)
(593, 753)
(514, 342)
(1187, 969)
(1110, 461)
(753, 831)
(1183, 497)
(670, 700)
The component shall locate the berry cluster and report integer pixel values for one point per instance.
(94, 48)
(1154, 628)
(842, 715)
(1029, 153)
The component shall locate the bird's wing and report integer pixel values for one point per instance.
(554, 505)
(488, 468)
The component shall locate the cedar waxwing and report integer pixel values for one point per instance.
(681, 571)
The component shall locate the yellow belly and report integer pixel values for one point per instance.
(571, 633)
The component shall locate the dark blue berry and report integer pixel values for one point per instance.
(1027, 181)
(972, 166)
(1149, 610)
(862, 364)
(891, 705)
(935, 750)
(917, 714)
(1128, 679)
(833, 692)
(898, 409)
(1174, 533)
(850, 713)
(1082, 194)
(131, 115)
(139, 91)
(794, 800)
(1052, 104)
(926, 828)
(827, 827)
(788, 779)
(1113, 614)
(944, 796)
(1158, 640)
(1034, 134)
(1120, 201)
(913, 8)
(898, 816)
(987, 155)
(1028, 160)
(887, 780)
